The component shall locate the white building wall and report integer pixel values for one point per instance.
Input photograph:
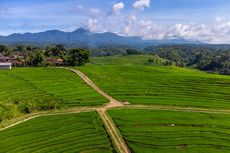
(5, 66)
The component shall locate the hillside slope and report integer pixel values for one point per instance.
(130, 79)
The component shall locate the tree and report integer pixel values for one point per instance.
(132, 51)
(78, 56)
(20, 48)
(3, 49)
(37, 58)
(58, 50)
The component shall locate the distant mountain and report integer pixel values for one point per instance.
(84, 38)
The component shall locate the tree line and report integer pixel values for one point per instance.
(202, 57)
(35, 56)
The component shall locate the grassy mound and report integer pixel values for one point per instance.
(156, 131)
(140, 83)
(81, 132)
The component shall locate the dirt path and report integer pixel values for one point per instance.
(35, 115)
(178, 108)
(113, 103)
(110, 127)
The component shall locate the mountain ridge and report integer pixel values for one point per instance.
(85, 38)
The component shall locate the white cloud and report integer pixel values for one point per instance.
(141, 4)
(94, 25)
(217, 31)
(118, 7)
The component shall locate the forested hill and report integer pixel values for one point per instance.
(211, 58)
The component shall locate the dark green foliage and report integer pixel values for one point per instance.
(3, 48)
(205, 58)
(78, 57)
(111, 50)
(37, 57)
(132, 51)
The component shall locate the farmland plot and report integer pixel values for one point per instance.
(154, 131)
(81, 132)
(138, 83)
(46, 85)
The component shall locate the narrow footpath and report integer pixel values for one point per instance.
(109, 125)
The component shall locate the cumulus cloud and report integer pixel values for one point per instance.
(216, 32)
(141, 4)
(92, 23)
(118, 7)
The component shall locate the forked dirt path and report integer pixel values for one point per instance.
(113, 103)
(109, 125)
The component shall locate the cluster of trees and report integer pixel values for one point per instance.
(35, 56)
(158, 61)
(210, 59)
(112, 50)
(19, 105)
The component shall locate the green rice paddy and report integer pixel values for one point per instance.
(45, 85)
(155, 131)
(71, 133)
(139, 83)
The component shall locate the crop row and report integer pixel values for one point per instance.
(58, 133)
(161, 85)
(44, 84)
(172, 131)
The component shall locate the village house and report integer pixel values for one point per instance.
(54, 61)
(5, 66)
(11, 59)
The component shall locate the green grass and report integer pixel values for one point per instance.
(81, 132)
(44, 85)
(154, 131)
(139, 83)
(125, 60)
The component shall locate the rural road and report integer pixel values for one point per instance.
(111, 128)
(109, 125)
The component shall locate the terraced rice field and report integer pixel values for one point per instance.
(44, 85)
(81, 132)
(155, 131)
(139, 83)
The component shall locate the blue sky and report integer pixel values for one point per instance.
(205, 20)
